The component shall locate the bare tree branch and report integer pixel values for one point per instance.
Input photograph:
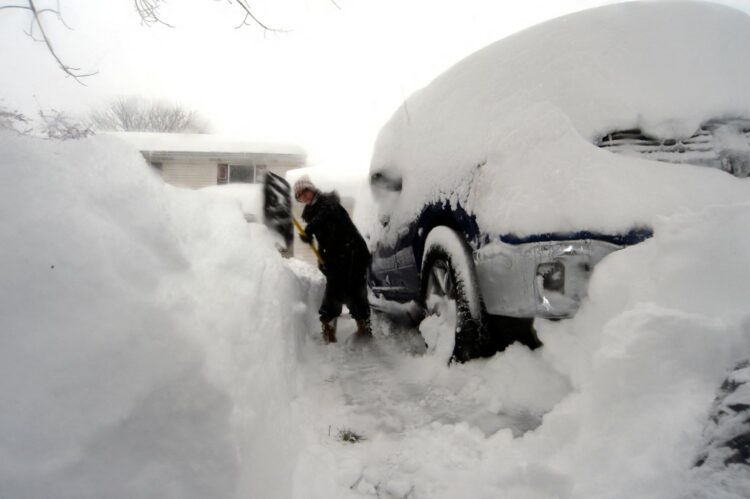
(57, 125)
(24, 7)
(70, 70)
(136, 114)
(36, 26)
(149, 12)
(59, 15)
(12, 119)
(243, 23)
(243, 4)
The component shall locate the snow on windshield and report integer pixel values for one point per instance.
(508, 131)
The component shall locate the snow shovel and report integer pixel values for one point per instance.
(312, 246)
(277, 206)
(277, 210)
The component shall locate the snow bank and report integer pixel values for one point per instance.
(155, 345)
(141, 354)
(615, 405)
(508, 131)
(249, 197)
(664, 323)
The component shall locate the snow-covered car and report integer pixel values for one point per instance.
(505, 181)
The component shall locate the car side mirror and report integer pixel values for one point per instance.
(387, 181)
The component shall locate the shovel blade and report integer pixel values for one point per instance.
(277, 206)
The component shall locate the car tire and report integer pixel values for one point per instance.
(504, 331)
(727, 433)
(441, 280)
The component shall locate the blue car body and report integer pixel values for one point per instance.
(543, 275)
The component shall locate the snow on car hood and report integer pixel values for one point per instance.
(508, 132)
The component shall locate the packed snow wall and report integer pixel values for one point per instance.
(141, 352)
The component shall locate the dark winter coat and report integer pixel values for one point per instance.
(345, 257)
(339, 241)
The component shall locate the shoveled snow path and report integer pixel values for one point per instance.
(405, 405)
(388, 384)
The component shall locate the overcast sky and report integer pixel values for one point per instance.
(328, 83)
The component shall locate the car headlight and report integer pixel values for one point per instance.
(552, 276)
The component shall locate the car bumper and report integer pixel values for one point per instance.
(539, 279)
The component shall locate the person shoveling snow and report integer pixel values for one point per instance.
(344, 258)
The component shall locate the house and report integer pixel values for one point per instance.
(201, 160)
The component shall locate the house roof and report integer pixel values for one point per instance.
(204, 143)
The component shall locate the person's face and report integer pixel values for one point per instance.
(306, 196)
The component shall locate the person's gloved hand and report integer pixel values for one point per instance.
(306, 238)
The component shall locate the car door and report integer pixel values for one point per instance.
(393, 272)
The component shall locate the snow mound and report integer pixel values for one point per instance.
(141, 354)
(617, 403)
(508, 132)
(249, 198)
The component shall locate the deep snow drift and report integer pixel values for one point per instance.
(154, 344)
(148, 333)
(615, 405)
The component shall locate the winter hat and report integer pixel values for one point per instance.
(303, 184)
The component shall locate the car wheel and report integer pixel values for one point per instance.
(450, 297)
(727, 433)
(504, 330)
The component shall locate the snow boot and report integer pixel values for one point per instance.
(329, 330)
(362, 337)
(364, 328)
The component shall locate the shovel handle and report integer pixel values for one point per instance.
(312, 247)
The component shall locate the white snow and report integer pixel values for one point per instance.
(613, 406)
(155, 345)
(147, 333)
(508, 132)
(248, 197)
(171, 352)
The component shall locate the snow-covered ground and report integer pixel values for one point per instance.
(154, 344)
(616, 404)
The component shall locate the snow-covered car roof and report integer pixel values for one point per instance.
(509, 132)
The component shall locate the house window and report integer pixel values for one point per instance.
(249, 174)
(222, 174)
(241, 174)
(156, 165)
